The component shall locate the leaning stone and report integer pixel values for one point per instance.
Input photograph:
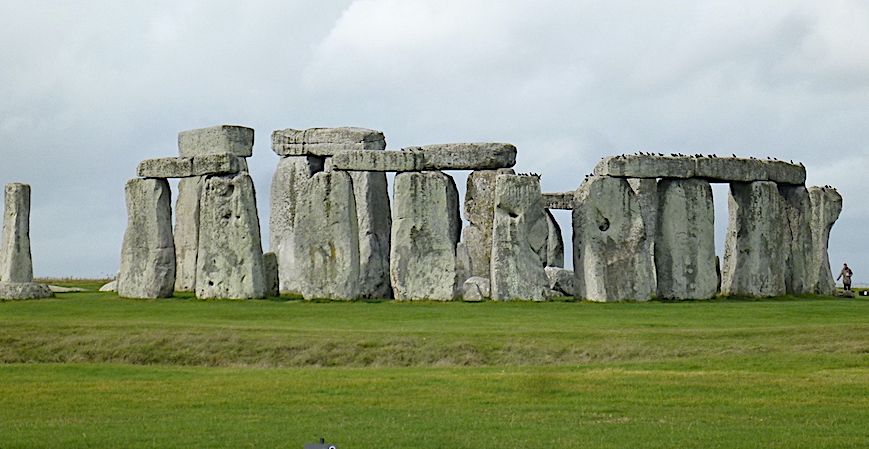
(754, 253)
(229, 263)
(826, 207)
(562, 200)
(236, 140)
(16, 264)
(110, 286)
(148, 254)
(186, 233)
(468, 156)
(327, 238)
(722, 169)
(289, 180)
(554, 242)
(425, 232)
(560, 280)
(476, 289)
(185, 167)
(797, 239)
(610, 243)
(685, 243)
(24, 290)
(480, 213)
(519, 237)
(375, 226)
(270, 275)
(326, 141)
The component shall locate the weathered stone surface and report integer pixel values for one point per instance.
(59, 289)
(236, 140)
(561, 200)
(24, 290)
(480, 212)
(646, 191)
(560, 280)
(374, 219)
(754, 253)
(185, 167)
(723, 169)
(610, 243)
(685, 242)
(148, 254)
(186, 233)
(826, 206)
(554, 242)
(110, 286)
(326, 141)
(476, 289)
(16, 264)
(797, 239)
(516, 264)
(229, 263)
(270, 275)
(327, 238)
(459, 156)
(425, 232)
(289, 180)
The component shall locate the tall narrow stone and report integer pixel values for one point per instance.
(516, 265)
(16, 264)
(425, 232)
(375, 226)
(826, 207)
(326, 242)
(230, 259)
(610, 243)
(754, 253)
(685, 244)
(646, 191)
(797, 239)
(554, 242)
(148, 254)
(187, 232)
(480, 213)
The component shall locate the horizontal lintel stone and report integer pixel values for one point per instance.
(232, 139)
(185, 167)
(325, 142)
(714, 169)
(459, 156)
(560, 200)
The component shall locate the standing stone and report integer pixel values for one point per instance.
(480, 213)
(610, 243)
(520, 221)
(754, 253)
(425, 232)
(187, 232)
(148, 254)
(554, 242)
(646, 190)
(326, 242)
(375, 225)
(270, 275)
(230, 259)
(797, 239)
(685, 244)
(826, 207)
(290, 178)
(16, 264)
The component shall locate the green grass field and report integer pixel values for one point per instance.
(93, 370)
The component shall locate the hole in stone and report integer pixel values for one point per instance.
(514, 215)
(604, 225)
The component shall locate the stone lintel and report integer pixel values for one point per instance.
(560, 200)
(232, 139)
(185, 167)
(326, 142)
(713, 169)
(457, 156)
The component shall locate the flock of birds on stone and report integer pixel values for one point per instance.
(698, 155)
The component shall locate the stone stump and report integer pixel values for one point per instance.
(826, 207)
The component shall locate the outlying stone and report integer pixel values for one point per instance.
(458, 156)
(516, 265)
(326, 141)
(722, 169)
(186, 233)
(754, 249)
(24, 290)
(685, 242)
(797, 240)
(476, 289)
(270, 275)
(185, 167)
(374, 221)
(561, 200)
(560, 280)
(554, 242)
(425, 232)
(236, 140)
(326, 241)
(148, 254)
(610, 243)
(16, 264)
(826, 207)
(229, 263)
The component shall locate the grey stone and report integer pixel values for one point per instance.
(480, 212)
(721, 169)
(185, 167)
(463, 262)
(561, 200)
(458, 156)
(148, 254)
(374, 219)
(270, 275)
(826, 207)
(326, 141)
(476, 289)
(560, 280)
(110, 286)
(236, 140)
(59, 289)
(425, 233)
(519, 237)
(229, 263)
(754, 253)
(685, 242)
(16, 264)
(186, 233)
(646, 191)
(327, 238)
(610, 243)
(554, 242)
(399, 161)
(24, 290)
(290, 178)
(797, 239)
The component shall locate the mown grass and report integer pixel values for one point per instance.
(93, 370)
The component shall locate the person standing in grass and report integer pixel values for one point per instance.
(845, 276)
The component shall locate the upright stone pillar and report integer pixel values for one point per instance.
(16, 264)
(230, 260)
(826, 206)
(425, 232)
(148, 254)
(754, 253)
(797, 240)
(519, 236)
(554, 242)
(480, 213)
(187, 232)
(610, 243)
(685, 244)
(646, 191)
(374, 227)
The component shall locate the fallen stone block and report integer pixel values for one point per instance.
(716, 169)
(232, 139)
(476, 289)
(560, 280)
(826, 206)
(184, 167)
(461, 156)
(111, 286)
(324, 142)
(60, 289)
(562, 200)
(24, 290)
(16, 264)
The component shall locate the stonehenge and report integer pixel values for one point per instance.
(16, 263)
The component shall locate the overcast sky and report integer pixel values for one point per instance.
(89, 88)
